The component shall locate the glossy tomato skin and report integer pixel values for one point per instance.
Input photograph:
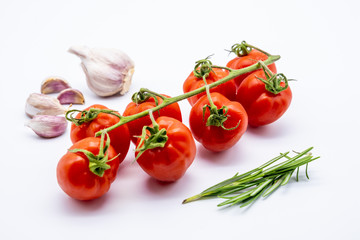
(74, 176)
(169, 163)
(262, 106)
(246, 61)
(228, 89)
(215, 138)
(136, 126)
(119, 137)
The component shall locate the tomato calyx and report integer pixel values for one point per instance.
(87, 115)
(240, 49)
(243, 49)
(274, 83)
(144, 94)
(217, 116)
(98, 163)
(203, 68)
(140, 97)
(156, 137)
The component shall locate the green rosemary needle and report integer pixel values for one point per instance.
(245, 188)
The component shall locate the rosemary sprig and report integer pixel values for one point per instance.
(244, 189)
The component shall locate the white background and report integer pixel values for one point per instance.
(319, 45)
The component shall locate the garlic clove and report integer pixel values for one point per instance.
(40, 104)
(54, 85)
(48, 126)
(108, 71)
(71, 96)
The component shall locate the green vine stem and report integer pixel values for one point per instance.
(168, 101)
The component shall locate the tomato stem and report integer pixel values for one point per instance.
(243, 49)
(212, 105)
(222, 67)
(157, 137)
(203, 68)
(217, 116)
(240, 49)
(98, 163)
(87, 115)
(274, 83)
(253, 47)
(153, 121)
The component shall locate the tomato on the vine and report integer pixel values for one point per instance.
(218, 138)
(74, 173)
(120, 137)
(262, 106)
(170, 162)
(136, 126)
(247, 60)
(228, 89)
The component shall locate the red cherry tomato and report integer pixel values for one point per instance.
(246, 61)
(228, 89)
(120, 137)
(169, 163)
(216, 138)
(136, 126)
(75, 177)
(262, 106)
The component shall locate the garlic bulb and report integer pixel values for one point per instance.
(48, 126)
(41, 104)
(108, 71)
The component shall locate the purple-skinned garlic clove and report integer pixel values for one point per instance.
(54, 85)
(108, 71)
(48, 126)
(71, 96)
(41, 104)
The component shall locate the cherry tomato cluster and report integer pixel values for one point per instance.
(165, 147)
(77, 174)
(166, 163)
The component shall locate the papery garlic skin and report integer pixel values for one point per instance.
(48, 126)
(71, 96)
(108, 71)
(54, 85)
(41, 104)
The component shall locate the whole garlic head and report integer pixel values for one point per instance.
(108, 71)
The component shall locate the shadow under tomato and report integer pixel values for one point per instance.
(161, 189)
(268, 131)
(228, 157)
(78, 207)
